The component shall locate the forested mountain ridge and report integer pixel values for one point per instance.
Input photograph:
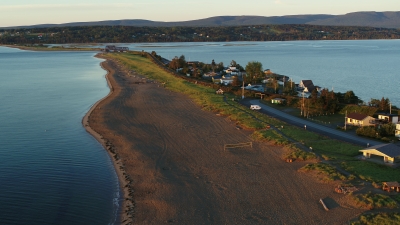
(130, 34)
(373, 19)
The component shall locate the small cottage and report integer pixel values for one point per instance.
(391, 186)
(388, 118)
(277, 100)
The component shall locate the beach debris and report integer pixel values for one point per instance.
(323, 204)
(345, 189)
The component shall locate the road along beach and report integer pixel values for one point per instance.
(170, 158)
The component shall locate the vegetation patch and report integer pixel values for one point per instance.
(329, 171)
(334, 150)
(373, 201)
(298, 154)
(366, 110)
(270, 135)
(378, 219)
(370, 171)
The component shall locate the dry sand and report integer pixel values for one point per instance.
(172, 153)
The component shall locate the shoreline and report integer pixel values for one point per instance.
(124, 182)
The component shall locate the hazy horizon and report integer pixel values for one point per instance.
(25, 13)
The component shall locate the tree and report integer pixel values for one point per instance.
(213, 65)
(254, 71)
(384, 104)
(233, 63)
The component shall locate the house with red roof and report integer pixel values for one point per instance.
(359, 120)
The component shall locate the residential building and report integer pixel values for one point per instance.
(389, 152)
(359, 120)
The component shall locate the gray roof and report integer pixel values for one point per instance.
(390, 150)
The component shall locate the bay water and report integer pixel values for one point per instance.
(51, 170)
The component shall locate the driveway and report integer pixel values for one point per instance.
(327, 131)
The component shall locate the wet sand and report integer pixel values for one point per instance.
(170, 158)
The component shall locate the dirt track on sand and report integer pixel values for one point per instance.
(173, 151)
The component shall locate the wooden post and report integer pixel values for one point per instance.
(323, 204)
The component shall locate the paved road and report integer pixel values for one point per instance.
(327, 131)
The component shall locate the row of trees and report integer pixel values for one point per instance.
(130, 34)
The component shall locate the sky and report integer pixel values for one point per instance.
(32, 12)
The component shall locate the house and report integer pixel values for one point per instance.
(278, 100)
(307, 85)
(390, 153)
(388, 118)
(220, 92)
(397, 132)
(360, 120)
(391, 186)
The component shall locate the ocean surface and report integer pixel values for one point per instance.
(370, 68)
(51, 170)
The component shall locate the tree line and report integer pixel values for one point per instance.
(130, 34)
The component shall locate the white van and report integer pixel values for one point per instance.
(255, 107)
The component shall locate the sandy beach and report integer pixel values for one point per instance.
(170, 158)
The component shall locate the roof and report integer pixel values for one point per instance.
(387, 114)
(356, 116)
(392, 184)
(390, 150)
(307, 83)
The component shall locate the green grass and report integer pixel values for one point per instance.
(396, 197)
(370, 171)
(378, 219)
(298, 154)
(374, 201)
(329, 171)
(301, 135)
(270, 135)
(334, 150)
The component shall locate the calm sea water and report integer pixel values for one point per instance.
(51, 170)
(368, 67)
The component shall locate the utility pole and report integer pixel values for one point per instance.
(345, 120)
(302, 105)
(242, 87)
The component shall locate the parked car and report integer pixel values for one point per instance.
(255, 107)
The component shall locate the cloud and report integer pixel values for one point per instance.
(278, 2)
(68, 6)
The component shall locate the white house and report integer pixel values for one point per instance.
(397, 132)
(389, 152)
(388, 118)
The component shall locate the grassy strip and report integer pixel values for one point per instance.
(378, 219)
(372, 201)
(270, 135)
(396, 197)
(370, 171)
(329, 171)
(298, 154)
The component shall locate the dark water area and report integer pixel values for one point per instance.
(51, 170)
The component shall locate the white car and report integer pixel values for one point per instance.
(255, 107)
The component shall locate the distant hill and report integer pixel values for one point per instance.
(365, 19)
(372, 19)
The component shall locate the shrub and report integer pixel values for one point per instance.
(372, 201)
(366, 131)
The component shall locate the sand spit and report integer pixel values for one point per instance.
(172, 166)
